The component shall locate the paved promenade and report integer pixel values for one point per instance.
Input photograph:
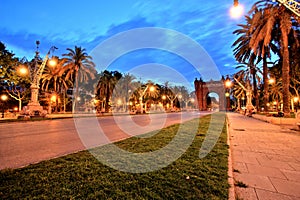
(265, 159)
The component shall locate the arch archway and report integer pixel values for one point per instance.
(212, 101)
(202, 90)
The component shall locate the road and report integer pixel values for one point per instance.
(24, 143)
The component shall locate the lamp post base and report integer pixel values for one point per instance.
(35, 109)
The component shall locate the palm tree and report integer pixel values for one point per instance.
(246, 52)
(249, 73)
(276, 19)
(106, 85)
(79, 67)
(52, 79)
(123, 88)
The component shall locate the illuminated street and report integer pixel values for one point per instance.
(23, 143)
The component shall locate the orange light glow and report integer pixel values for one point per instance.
(236, 11)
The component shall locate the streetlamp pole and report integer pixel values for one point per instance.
(34, 107)
(228, 84)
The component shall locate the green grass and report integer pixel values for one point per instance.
(81, 176)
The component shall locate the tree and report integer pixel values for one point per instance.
(249, 74)
(10, 79)
(275, 21)
(79, 67)
(53, 80)
(106, 85)
(122, 90)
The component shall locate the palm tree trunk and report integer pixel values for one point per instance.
(285, 76)
(266, 83)
(76, 91)
(107, 99)
(255, 88)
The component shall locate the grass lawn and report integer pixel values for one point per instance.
(82, 176)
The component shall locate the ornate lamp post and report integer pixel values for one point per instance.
(34, 107)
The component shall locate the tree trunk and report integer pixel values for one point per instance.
(285, 75)
(266, 83)
(20, 104)
(107, 99)
(255, 88)
(76, 91)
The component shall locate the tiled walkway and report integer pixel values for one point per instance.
(266, 158)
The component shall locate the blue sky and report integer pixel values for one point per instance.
(89, 24)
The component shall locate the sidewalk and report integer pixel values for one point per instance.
(265, 159)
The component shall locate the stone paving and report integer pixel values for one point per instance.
(265, 159)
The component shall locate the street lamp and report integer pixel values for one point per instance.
(228, 85)
(4, 98)
(236, 11)
(34, 107)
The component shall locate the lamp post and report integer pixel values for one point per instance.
(228, 85)
(34, 107)
(4, 98)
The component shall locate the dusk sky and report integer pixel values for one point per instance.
(91, 23)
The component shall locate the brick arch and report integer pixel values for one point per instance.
(202, 89)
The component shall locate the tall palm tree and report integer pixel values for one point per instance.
(279, 19)
(53, 80)
(106, 85)
(245, 52)
(79, 67)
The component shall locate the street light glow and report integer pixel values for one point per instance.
(236, 11)
(271, 80)
(152, 88)
(228, 83)
(22, 70)
(4, 97)
(52, 62)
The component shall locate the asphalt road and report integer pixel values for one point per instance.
(24, 143)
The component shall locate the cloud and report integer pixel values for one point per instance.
(206, 22)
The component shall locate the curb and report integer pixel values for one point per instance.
(231, 190)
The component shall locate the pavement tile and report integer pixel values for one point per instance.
(245, 193)
(245, 159)
(272, 163)
(241, 167)
(267, 157)
(267, 195)
(263, 150)
(286, 187)
(255, 154)
(265, 171)
(256, 181)
(236, 152)
(283, 158)
(292, 175)
(295, 165)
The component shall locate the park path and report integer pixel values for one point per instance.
(265, 157)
